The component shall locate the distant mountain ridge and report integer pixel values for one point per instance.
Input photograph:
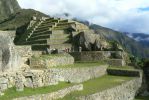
(130, 45)
(142, 38)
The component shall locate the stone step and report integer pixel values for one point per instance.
(48, 23)
(41, 30)
(39, 47)
(42, 33)
(45, 26)
(40, 41)
(64, 24)
(65, 20)
(39, 37)
(58, 41)
(60, 27)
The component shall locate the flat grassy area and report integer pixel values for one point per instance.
(83, 64)
(97, 85)
(12, 93)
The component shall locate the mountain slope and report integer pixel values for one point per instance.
(8, 7)
(140, 37)
(128, 43)
(19, 19)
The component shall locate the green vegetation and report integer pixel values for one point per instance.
(12, 93)
(121, 67)
(90, 87)
(83, 64)
(97, 85)
(142, 98)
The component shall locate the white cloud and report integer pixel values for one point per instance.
(123, 15)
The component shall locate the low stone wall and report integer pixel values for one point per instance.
(51, 62)
(54, 95)
(125, 91)
(51, 76)
(93, 55)
(120, 72)
(77, 75)
(116, 62)
(24, 51)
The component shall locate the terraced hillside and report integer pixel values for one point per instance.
(55, 33)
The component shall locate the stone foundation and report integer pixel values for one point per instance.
(51, 61)
(94, 55)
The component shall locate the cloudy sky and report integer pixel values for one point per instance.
(122, 15)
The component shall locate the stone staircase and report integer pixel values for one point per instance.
(49, 32)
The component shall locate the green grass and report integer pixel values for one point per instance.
(97, 85)
(90, 87)
(12, 93)
(83, 64)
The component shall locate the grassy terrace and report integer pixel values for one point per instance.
(122, 67)
(97, 85)
(12, 93)
(90, 87)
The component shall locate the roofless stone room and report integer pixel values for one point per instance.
(74, 50)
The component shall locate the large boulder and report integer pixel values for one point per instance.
(88, 40)
(9, 57)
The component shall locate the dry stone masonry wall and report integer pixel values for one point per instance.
(125, 91)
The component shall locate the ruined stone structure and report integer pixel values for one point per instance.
(9, 57)
(30, 66)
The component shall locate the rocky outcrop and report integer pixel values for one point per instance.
(8, 7)
(88, 40)
(9, 57)
(54, 95)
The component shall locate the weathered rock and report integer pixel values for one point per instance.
(9, 58)
(88, 40)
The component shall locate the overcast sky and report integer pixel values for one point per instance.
(122, 15)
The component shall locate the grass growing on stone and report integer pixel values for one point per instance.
(12, 93)
(97, 85)
(121, 67)
(83, 64)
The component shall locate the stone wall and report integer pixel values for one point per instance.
(51, 61)
(10, 60)
(125, 91)
(93, 55)
(116, 62)
(77, 75)
(54, 95)
(52, 76)
(120, 72)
